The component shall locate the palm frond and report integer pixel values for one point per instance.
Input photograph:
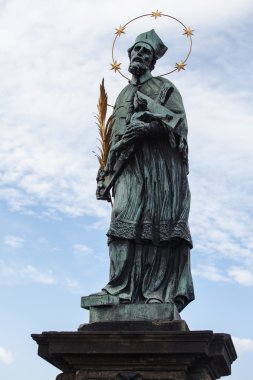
(104, 127)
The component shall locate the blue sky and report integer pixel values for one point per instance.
(53, 55)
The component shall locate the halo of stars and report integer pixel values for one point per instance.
(179, 66)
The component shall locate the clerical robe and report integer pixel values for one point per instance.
(149, 237)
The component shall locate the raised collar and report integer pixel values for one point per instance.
(135, 81)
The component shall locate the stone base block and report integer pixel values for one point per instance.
(106, 307)
(137, 351)
(135, 312)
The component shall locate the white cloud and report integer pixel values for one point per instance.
(82, 248)
(72, 284)
(36, 275)
(242, 345)
(100, 224)
(6, 357)
(14, 274)
(241, 275)
(210, 273)
(221, 179)
(82, 252)
(13, 241)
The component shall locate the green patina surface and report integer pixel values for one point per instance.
(149, 236)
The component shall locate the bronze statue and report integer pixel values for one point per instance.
(149, 238)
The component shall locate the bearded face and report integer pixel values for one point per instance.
(141, 59)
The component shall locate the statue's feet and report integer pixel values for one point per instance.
(153, 300)
(124, 301)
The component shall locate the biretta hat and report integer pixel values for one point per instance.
(153, 40)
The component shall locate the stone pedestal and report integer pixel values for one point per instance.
(137, 350)
(105, 308)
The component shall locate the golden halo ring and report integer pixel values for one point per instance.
(179, 66)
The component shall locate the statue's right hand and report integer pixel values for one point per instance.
(110, 163)
(111, 159)
(99, 193)
(100, 184)
(135, 130)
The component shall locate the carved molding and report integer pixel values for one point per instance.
(128, 376)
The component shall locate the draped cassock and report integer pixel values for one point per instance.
(149, 237)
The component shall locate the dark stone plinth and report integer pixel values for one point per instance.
(137, 350)
(159, 325)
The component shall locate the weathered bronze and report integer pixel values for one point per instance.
(147, 166)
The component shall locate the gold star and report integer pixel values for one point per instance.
(115, 66)
(120, 30)
(156, 14)
(180, 66)
(188, 32)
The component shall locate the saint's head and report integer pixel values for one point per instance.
(148, 47)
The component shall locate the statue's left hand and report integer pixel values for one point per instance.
(182, 145)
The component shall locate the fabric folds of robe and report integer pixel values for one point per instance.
(149, 236)
(141, 272)
(152, 196)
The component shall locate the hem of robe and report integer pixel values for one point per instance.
(163, 232)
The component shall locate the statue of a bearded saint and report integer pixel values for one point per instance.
(149, 237)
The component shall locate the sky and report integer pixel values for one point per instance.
(53, 56)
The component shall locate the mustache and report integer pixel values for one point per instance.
(137, 59)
